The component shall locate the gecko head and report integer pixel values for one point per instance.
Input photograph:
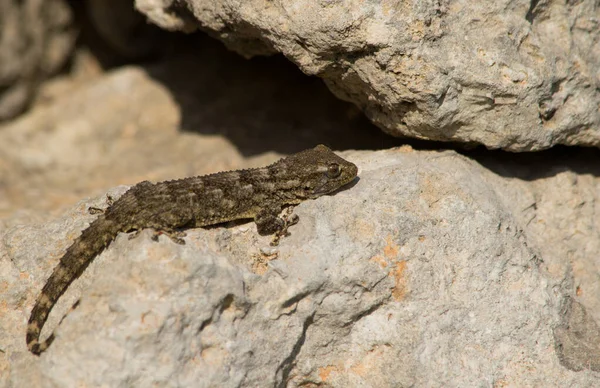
(316, 171)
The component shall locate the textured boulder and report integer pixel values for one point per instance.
(432, 270)
(421, 274)
(36, 39)
(508, 74)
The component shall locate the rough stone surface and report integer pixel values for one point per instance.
(36, 39)
(421, 274)
(555, 199)
(508, 74)
(577, 340)
(433, 270)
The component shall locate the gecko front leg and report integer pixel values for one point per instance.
(268, 222)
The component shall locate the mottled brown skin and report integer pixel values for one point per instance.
(167, 207)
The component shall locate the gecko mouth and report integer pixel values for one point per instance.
(327, 187)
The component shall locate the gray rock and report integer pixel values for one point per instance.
(515, 75)
(577, 340)
(36, 39)
(555, 200)
(423, 274)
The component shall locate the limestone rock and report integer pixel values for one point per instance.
(509, 74)
(36, 39)
(422, 274)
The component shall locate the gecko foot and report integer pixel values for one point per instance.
(288, 219)
(96, 210)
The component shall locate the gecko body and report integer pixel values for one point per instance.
(170, 206)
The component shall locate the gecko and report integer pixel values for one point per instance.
(170, 207)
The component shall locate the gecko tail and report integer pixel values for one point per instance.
(33, 335)
(78, 257)
(36, 347)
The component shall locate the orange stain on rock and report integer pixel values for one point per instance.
(379, 260)
(391, 252)
(391, 249)
(367, 365)
(370, 363)
(326, 371)
(399, 290)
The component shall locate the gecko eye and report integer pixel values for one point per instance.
(333, 170)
